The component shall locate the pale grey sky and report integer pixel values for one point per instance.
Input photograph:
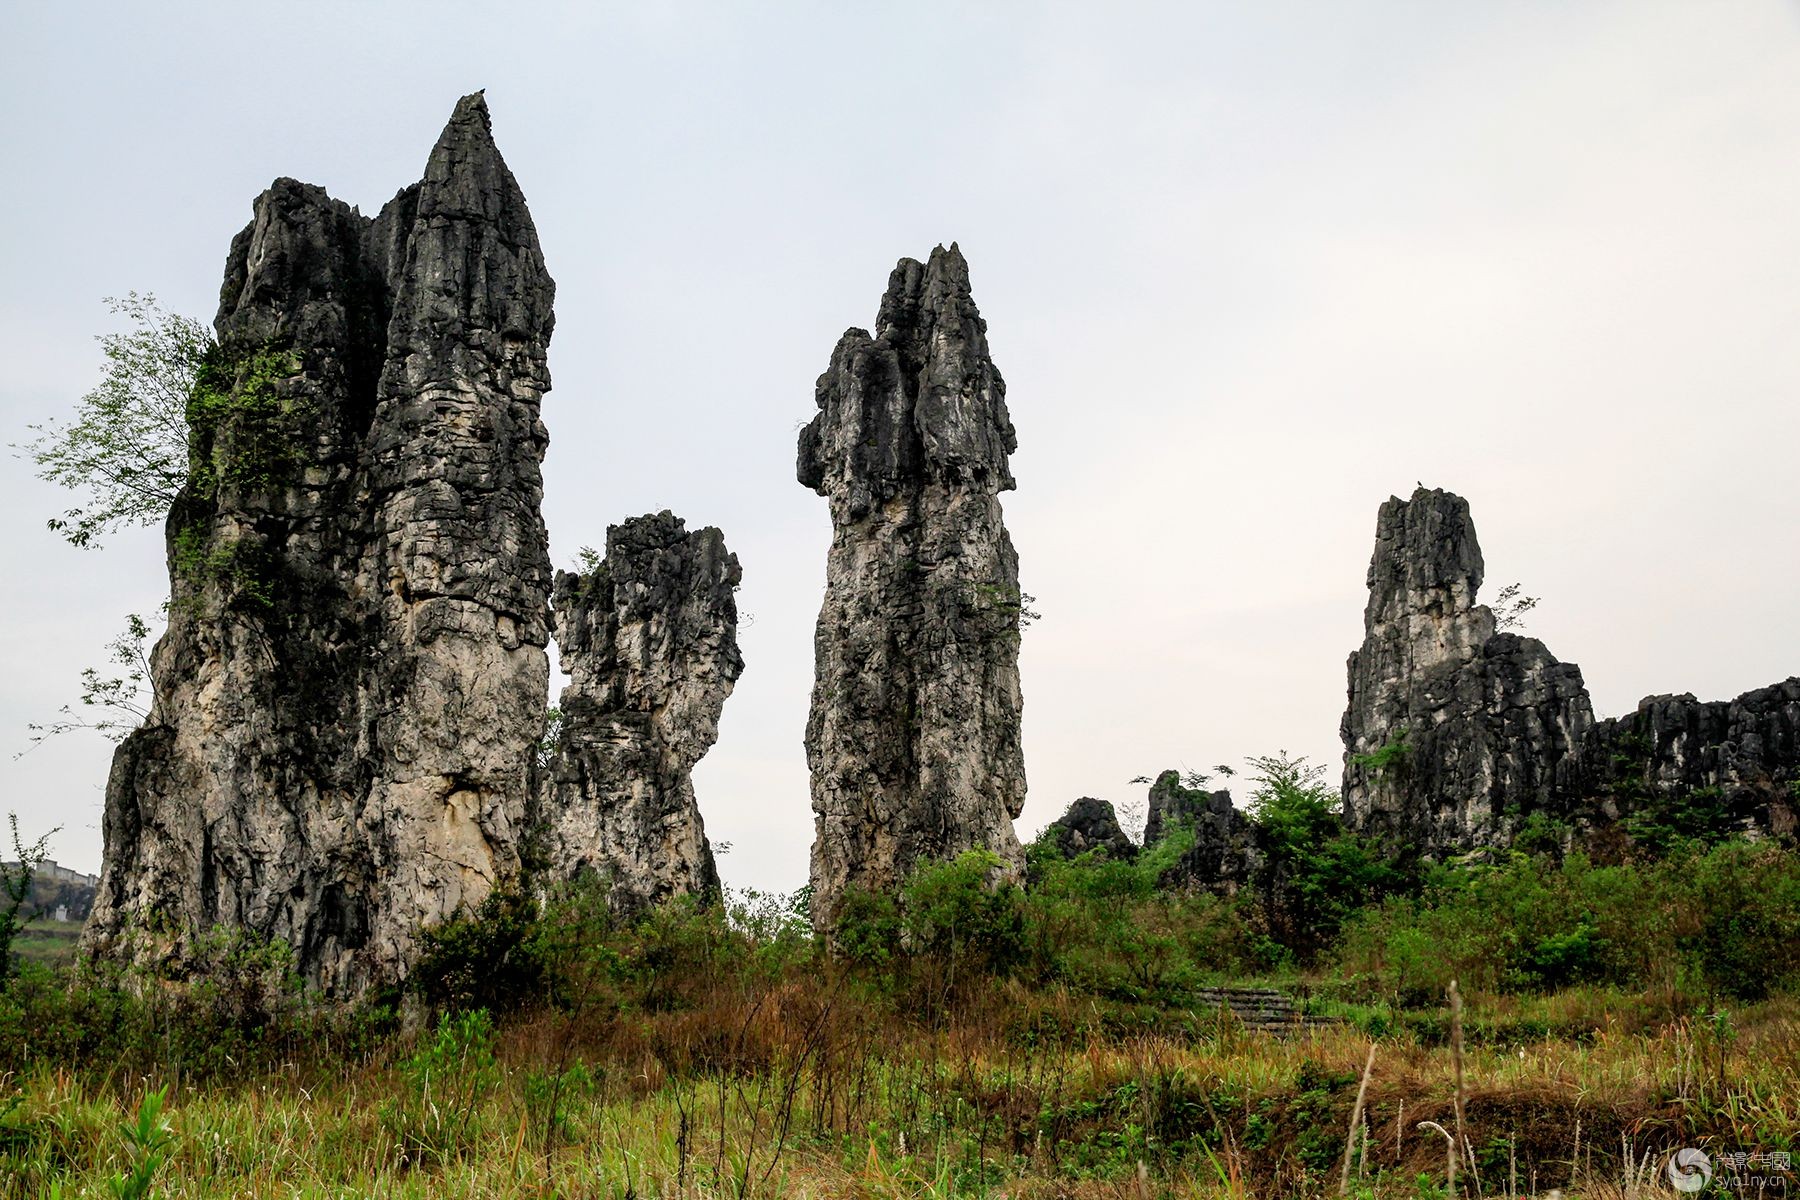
(1248, 269)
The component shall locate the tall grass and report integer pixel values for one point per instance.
(981, 1044)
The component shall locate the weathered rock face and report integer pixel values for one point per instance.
(1224, 854)
(1471, 729)
(913, 739)
(1089, 824)
(649, 641)
(1731, 764)
(351, 685)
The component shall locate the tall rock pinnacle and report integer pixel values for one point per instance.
(913, 739)
(649, 641)
(1454, 733)
(351, 687)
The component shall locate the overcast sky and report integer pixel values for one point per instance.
(1247, 269)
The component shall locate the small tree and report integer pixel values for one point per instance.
(15, 888)
(127, 448)
(1511, 605)
(1314, 872)
(112, 705)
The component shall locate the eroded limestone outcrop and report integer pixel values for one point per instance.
(913, 738)
(1454, 734)
(1733, 765)
(1089, 824)
(352, 683)
(649, 642)
(1224, 853)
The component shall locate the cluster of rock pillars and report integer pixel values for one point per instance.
(348, 745)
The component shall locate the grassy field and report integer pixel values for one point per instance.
(967, 1038)
(49, 942)
(805, 1085)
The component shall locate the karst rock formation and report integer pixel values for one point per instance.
(913, 738)
(1476, 725)
(649, 641)
(1456, 736)
(1733, 765)
(351, 687)
(1089, 824)
(1224, 853)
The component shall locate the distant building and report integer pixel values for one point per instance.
(51, 872)
(56, 889)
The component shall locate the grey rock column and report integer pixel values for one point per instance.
(649, 642)
(913, 738)
(1490, 721)
(351, 686)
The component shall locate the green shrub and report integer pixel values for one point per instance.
(1313, 873)
(1719, 920)
(964, 914)
(866, 927)
(1744, 945)
(445, 1084)
(1112, 927)
(487, 959)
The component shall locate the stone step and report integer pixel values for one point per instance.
(1258, 1009)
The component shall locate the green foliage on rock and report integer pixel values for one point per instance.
(1388, 760)
(248, 432)
(126, 450)
(176, 420)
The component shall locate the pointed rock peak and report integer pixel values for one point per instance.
(469, 125)
(473, 107)
(949, 265)
(920, 294)
(467, 165)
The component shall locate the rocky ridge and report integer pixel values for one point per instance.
(1457, 737)
(1698, 767)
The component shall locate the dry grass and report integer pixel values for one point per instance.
(801, 1088)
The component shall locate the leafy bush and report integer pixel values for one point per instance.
(1112, 927)
(1716, 920)
(446, 1083)
(1314, 874)
(866, 930)
(488, 959)
(962, 913)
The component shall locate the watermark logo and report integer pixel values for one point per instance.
(1689, 1170)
